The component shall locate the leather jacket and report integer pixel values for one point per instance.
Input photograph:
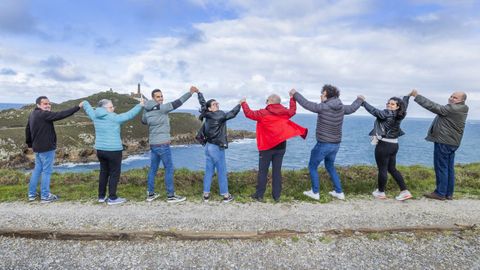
(387, 125)
(214, 128)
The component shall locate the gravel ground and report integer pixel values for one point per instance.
(311, 217)
(459, 250)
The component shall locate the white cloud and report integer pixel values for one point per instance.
(276, 46)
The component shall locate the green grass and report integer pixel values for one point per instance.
(357, 181)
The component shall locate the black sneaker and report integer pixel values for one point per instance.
(32, 198)
(51, 198)
(175, 198)
(206, 197)
(227, 198)
(152, 196)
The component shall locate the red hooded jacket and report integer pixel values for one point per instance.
(274, 125)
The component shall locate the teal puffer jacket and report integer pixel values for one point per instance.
(108, 126)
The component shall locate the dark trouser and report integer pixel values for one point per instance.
(275, 156)
(386, 158)
(444, 164)
(110, 168)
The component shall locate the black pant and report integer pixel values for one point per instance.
(386, 158)
(275, 156)
(110, 168)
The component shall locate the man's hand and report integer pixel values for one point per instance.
(292, 92)
(361, 97)
(193, 89)
(142, 101)
(80, 105)
(414, 93)
(242, 100)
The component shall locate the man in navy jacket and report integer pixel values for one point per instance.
(41, 137)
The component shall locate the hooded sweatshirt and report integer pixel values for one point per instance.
(274, 125)
(108, 126)
(156, 117)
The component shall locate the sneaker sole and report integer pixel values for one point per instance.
(114, 203)
(177, 201)
(311, 197)
(337, 197)
(152, 199)
(42, 201)
(404, 198)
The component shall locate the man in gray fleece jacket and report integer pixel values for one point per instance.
(156, 117)
(329, 135)
(446, 133)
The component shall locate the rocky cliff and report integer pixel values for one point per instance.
(76, 134)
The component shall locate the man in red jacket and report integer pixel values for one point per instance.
(273, 130)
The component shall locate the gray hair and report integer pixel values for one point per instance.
(274, 99)
(464, 96)
(104, 102)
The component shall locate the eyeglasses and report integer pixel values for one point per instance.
(215, 104)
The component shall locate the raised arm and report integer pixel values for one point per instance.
(308, 105)
(254, 115)
(432, 106)
(231, 114)
(89, 110)
(406, 101)
(123, 117)
(170, 106)
(349, 109)
(55, 116)
(293, 107)
(381, 114)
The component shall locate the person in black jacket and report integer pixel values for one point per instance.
(385, 135)
(214, 130)
(41, 137)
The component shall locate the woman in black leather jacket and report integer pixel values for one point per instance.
(385, 135)
(214, 131)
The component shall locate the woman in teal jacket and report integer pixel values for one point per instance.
(108, 144)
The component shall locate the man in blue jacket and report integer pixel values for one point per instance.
(156, 117)
(41, 137)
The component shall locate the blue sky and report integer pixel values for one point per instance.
(230, 49)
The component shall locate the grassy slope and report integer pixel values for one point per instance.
(358, 181)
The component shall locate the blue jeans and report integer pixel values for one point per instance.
(157, 154)
(324, 152)
(215, 158)
(443, 162)
(43, 167)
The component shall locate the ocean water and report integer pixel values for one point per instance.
(6, 106)
(355, 147)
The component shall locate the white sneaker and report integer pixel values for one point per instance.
(404, 195)
(379, 195)
(309, 193)
(116, 201)
(340, 196)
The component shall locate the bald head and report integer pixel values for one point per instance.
(274, 99)
(457, 97)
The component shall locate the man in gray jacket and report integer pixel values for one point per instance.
(446, 133)
(156, 117)
(329, 135)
